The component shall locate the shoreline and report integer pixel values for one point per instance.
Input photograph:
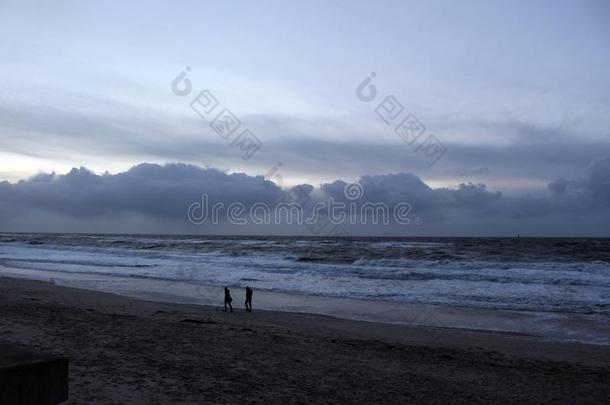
(577, 328)
(128, 350)
(398, 332)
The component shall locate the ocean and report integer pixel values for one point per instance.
(560, 276)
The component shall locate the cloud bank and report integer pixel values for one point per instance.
(151, 198)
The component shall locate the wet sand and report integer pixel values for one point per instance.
(125, 350)
(584, 328)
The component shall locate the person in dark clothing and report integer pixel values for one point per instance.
(228, 300)
(248, 299)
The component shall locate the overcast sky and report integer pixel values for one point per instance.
(515, 91)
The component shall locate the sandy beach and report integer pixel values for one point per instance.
(416, 193)
(124, 350)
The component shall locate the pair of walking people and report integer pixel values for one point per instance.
(229, 299)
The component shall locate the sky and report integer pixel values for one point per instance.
(514, 93)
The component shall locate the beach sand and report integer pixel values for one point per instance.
(124, 350)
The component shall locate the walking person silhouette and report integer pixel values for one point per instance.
(228, 300)
(248, 299)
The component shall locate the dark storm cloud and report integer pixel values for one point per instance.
(530, 153)
(158, 196)
(158, 191)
